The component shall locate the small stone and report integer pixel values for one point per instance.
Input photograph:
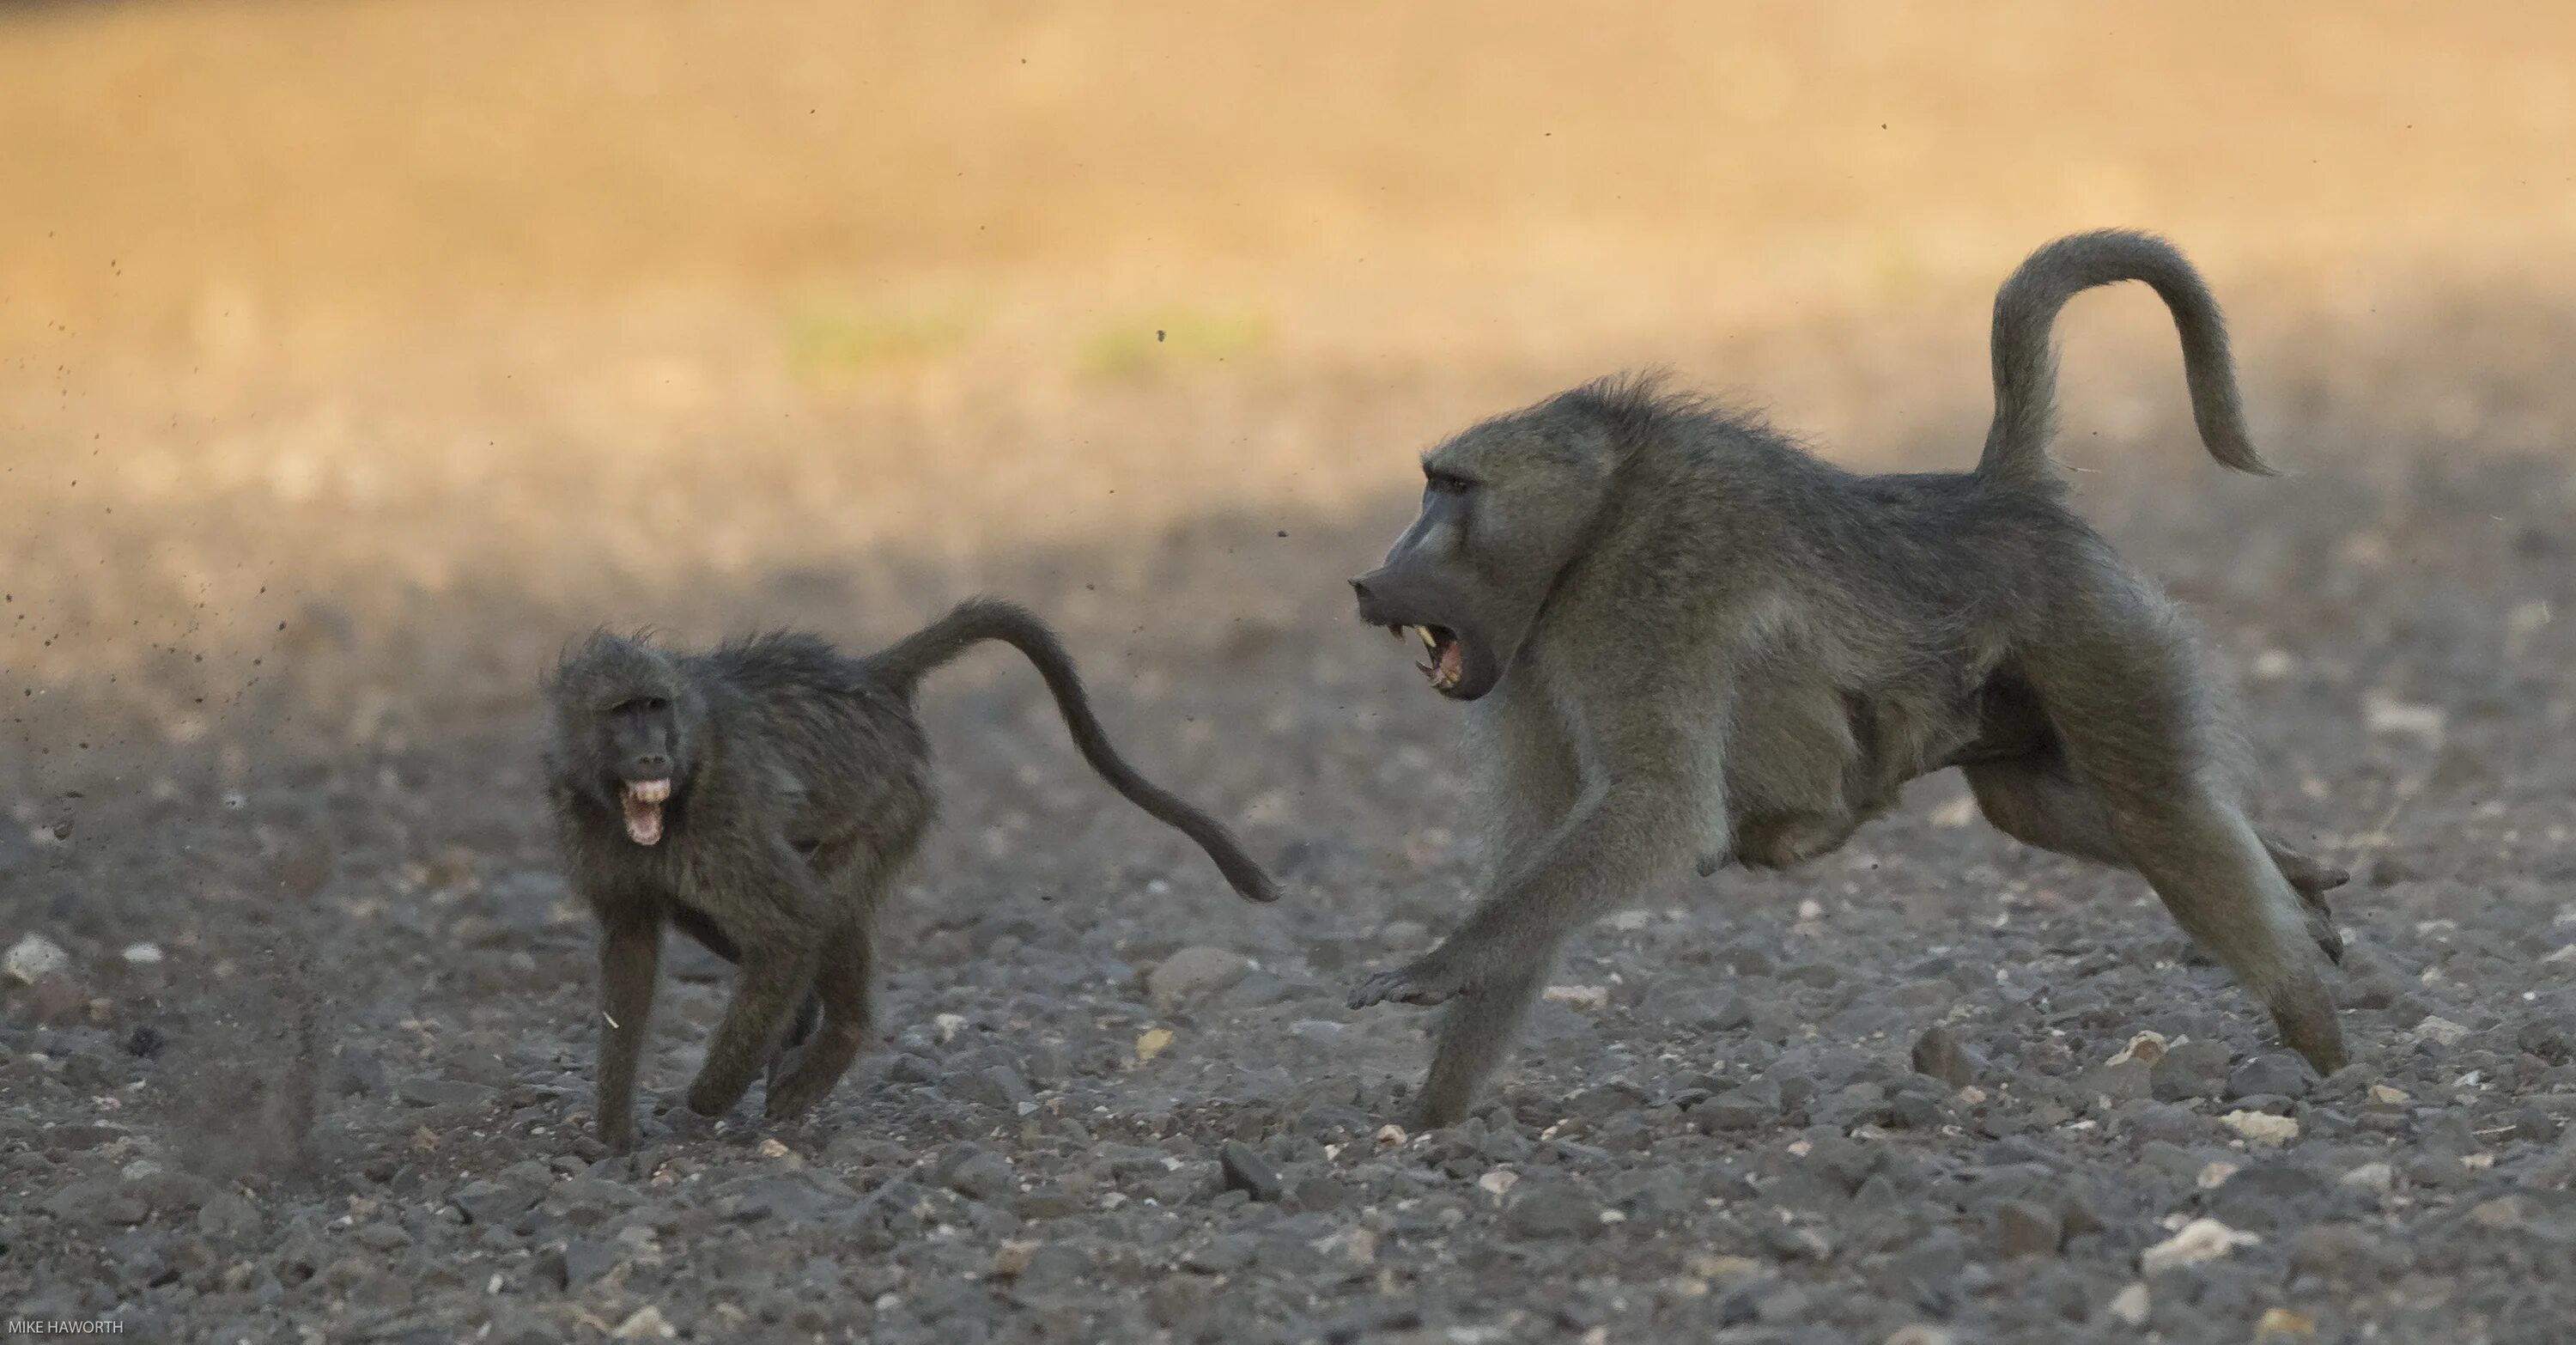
(646, 1323)
(2191, 1069)
(2146, 1047)
(2378, 1177)
(2199, 1241)
(2122, 1081)
(2277, 1074)
(1047, 1202)
(1224, 1256)
(1583, 998)
(585, 1261)
(1012, 1259)
(2261, 1127)
(1246, 1170)
(422, 1090)
(1939, 1054)
(492, 1203)
(1920, 1333)
(1193, 972)
(2026, 1229)
(2440, 1031)
(2386, 1096)
(997, 1086)
(1553, 1209)
(33, 958)
(982, 1176)
(1317, 1195)
(228, 1215)
(2283, 1322)
(2129, 1306)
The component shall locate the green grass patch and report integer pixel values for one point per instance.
(831, 339)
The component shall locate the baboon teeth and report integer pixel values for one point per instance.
(1427, 671)
(642, 800)
(1428, 642)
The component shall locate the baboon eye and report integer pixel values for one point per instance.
(654, 704)
(1445, 483)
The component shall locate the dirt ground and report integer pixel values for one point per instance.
(354, 357)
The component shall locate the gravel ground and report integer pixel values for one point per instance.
(1932, 1088)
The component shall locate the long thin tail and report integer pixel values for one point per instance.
(2026, 363)
(903, 665)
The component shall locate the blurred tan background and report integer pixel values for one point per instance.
(349, 353)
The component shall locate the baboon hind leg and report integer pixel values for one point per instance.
(843, 983)
(2036, 799)
(2119, 683)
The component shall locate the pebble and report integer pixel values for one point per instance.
(1225, 1255)
(423, 1090)
(2191, 1069)
(981, 1175)
(2024, 1228)
(1552, 1208)
(33, 958)
(2277, 1074)
(1938, 1053)
(2261, 1127)
(1247, 1171)
(2440, 1031)
(496, 1202)
(2124, 1081)
(1193, 972)
(2379, 1177)
(228, 1215)
(2196, 1242)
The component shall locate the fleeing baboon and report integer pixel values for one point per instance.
(763, 797)
(1682, 638)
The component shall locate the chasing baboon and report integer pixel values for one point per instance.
(763, 797)
(1681, 638)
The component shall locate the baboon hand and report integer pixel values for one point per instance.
(1429, 979)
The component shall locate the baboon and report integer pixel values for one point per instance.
(1680, 638)
(763, 797)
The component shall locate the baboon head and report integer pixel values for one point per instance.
(627, 724)
(1506, 506)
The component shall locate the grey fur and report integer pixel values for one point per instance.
(799, 786)
(1681, 639)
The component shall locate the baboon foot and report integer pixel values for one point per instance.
(794, 1093)
(713, 1098)
(1425, 980)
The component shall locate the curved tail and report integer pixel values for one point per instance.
(903, 664)
(2026, 364)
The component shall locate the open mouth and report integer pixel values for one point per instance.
(642, 801)
(1447, 666)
